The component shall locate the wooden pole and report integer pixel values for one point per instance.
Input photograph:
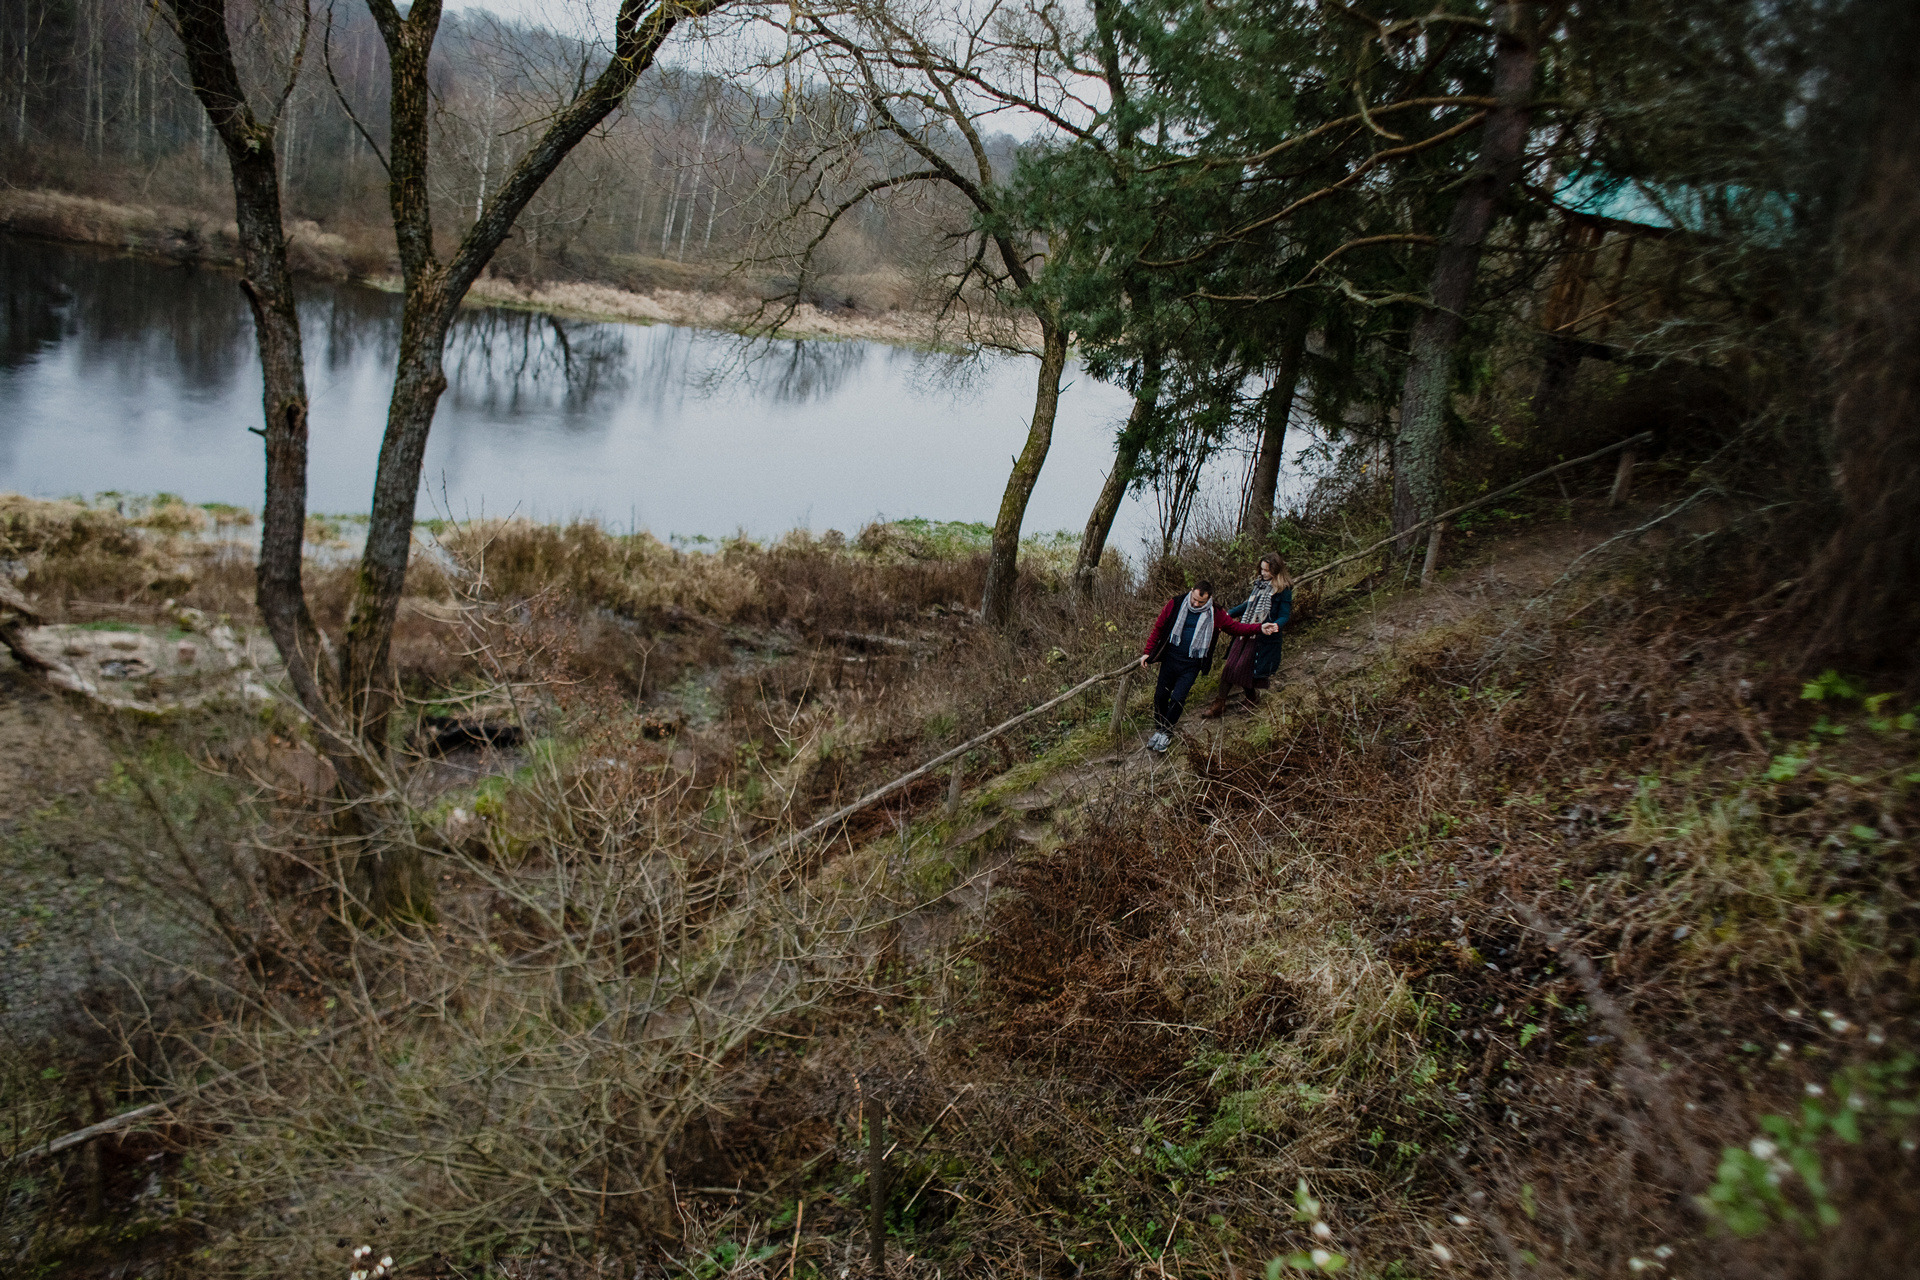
(1119, 725)
(953, 789)
(1622, 480)
(1433, 553)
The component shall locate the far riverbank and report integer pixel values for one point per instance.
(689, 295)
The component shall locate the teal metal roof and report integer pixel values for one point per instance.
(1672, 206)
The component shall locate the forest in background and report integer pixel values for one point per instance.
(670, 192)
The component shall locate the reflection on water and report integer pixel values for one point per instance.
(120, 373)
(512, 362)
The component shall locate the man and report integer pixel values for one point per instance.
(1182, 643)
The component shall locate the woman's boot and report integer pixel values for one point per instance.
(1219, 705)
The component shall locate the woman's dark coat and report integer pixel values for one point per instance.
(1266, 657)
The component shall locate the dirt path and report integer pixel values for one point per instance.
(1498, 573)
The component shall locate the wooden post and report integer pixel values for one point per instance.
(1622, 480)
(1119, 725)
(953, 789)
(877, 1185)
(1433, 552)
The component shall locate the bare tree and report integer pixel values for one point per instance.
(248, 137)
(353, 708)
(929, 85)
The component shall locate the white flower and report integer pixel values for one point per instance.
(1443, 1253)
(387, 1261)
(1635, 1264)
(1320, 1257)
(362, 1252)
(1814, 1090)
(1322, 1231)
(1664, 1252)
(1784, 1047)
(1460, 1219)
(1762, 1149)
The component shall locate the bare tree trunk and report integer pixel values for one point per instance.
(1126, 462)
(1860, 596)
(996, 603)
(1424, 396)
(268, 286)
(1256, 522)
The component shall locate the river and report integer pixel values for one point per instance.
(126, 374)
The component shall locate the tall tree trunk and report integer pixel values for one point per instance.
(1860, 596)
(1424, 395)
(996, 603)
(1256, 522)
(1126, 462)
(268, 286)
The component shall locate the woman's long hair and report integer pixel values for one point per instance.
(1281, 578)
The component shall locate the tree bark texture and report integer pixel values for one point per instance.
(1425, 393)
(1126, 461)
(1860, 596)
(1263, 489)
(996, 604)
(268, 287)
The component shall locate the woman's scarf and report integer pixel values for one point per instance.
(1259, 602)
(1202, 632)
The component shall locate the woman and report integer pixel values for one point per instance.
(1254, 659)
(1182, 643)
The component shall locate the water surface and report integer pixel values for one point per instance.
(119, 373)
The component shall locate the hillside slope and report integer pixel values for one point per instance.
(1539, 923)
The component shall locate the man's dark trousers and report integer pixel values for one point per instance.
(1177, 674)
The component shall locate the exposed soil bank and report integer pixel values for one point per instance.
(187, 235)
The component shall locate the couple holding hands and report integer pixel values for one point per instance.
(1182, 643)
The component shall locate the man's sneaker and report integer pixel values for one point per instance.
(1159, 741)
